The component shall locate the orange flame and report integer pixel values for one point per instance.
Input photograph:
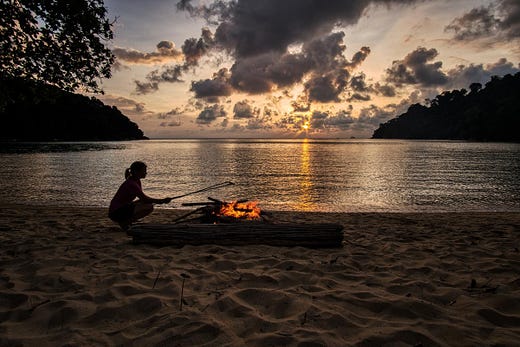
(241, 210)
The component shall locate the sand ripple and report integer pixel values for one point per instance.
(68, 277)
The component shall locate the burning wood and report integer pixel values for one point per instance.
(215, 211)
(240, 210)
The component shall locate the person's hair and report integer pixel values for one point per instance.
(135, 167)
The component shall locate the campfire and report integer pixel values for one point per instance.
(248, 210)
(218, 211)
(234, 223)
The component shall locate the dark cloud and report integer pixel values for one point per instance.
(326, 52)
(324, 121)
(332, 72)
(300, 105)
(210, 114)
(165, 52)
(416, 69)
(243, 109)
(251, 27)
(318, 120)
(510, 24)
(289, 69)
(291, 122)
(384, 89)
(476, 23)
(268, 112)
(118, 66)
(258, 123)
(501, 19)
(237, 127)
(139, 108)
(173, 112)
(462, 76)
(125, 105)
(327, 88)
(370, 117)
(215, 87)
(192, 50)
(174, 123)
(265, 72)
(251, 75)
(195, 105)
(359, 57)
(502, 67)
(359, 97)
(258, 34)
(358, 83)
(341, 121)
(169, 74)
(214, 13)
(146, 87)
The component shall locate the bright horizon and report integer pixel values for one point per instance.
(334, 71)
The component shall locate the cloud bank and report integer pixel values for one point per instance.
(294, 51)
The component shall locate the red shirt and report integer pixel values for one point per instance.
(127, 192)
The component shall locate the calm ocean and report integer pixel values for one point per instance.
(295, 175)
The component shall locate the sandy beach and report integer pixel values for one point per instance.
(70, 277)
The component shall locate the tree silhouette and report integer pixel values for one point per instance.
(41, 112)
(475, 87)
(485, 114)
(59, 42)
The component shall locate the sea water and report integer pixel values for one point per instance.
(290, 175)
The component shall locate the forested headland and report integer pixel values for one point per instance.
(35, 111)
(485, 113)
(50, 50)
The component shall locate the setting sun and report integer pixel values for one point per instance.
(306, 126)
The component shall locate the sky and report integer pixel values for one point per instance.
(298, 68)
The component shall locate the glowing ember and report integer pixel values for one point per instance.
(241, 210)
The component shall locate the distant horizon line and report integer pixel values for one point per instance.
(259, 138)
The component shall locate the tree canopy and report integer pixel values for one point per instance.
(59, 42)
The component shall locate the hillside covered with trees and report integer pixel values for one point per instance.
(34, 111)
(491, 113)
(50, 49)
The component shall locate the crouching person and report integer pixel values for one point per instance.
(124, 208)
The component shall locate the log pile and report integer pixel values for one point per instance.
(325, 235)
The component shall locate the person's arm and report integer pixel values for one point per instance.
(145, 198)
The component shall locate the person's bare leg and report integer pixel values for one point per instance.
(142, 209)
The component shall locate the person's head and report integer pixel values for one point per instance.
(136, 170)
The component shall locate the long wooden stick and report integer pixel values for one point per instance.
(198, 203)
(188, 214)
(215, 186)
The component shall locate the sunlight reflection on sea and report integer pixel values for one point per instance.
(302, 175)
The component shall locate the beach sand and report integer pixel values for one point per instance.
(70, 277)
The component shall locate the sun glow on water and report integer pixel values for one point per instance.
(299, 174)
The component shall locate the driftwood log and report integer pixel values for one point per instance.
(324, 235)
